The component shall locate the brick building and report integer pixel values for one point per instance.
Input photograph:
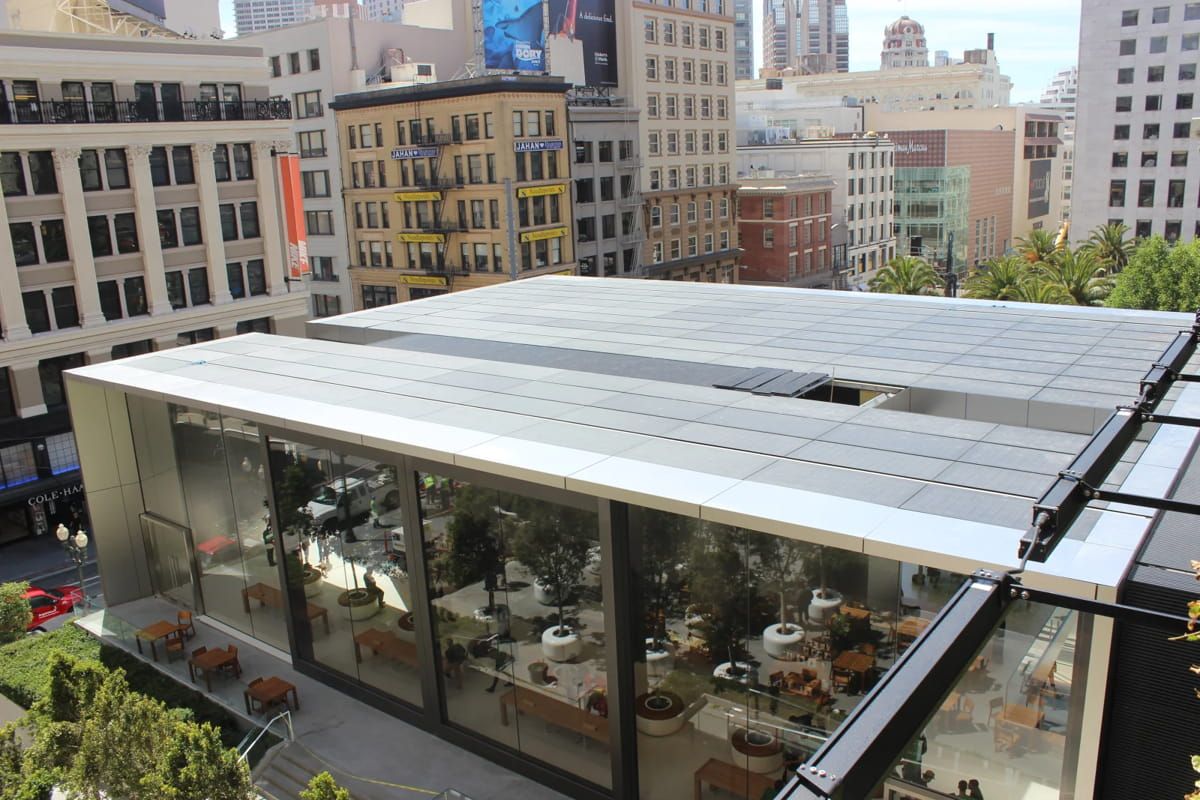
(784, 227)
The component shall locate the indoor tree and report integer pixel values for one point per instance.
(665, 537)
(555, 546)
(906, 275)
(721, 584)
(778, 564)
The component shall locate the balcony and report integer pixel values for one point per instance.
(79, 112)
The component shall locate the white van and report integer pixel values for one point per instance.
(356, 494)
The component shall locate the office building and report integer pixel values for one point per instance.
(1038, 159)
(904, 45)
(383, 10)
(808, 36)
(679, 71)
(1137, 82)
(606, 166)
(973, 84)
(252, 16)
(669, 574)
(455, 185)
(141, 210)
(779, 43)
(863, 172)
(1059, 97)
(785, 231)
(311, 63)
(743, 39)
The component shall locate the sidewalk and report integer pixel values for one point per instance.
(41, 557)
(358, 739)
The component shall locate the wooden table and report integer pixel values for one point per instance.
(270, 692)
(910, 628)
(209, 662)
(159, 630)
(1023, 722)
(270, 596)
(857, 664)
(386, 644)
(556, 712)
(723, 775)
(953, 702)
(861, 614)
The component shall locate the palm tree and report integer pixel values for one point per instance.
(1110, 246)
(1079, 276)
(1038, 246)
(1035, 290)
(906, 275)
(998, 279)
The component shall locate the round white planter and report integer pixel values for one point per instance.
(659, 662)
(660, 727)
(724, 671)
(824, 606)
(561, 646)
(779, 644)
(766, 756)
(314, 588)
(541, 593)
(359, 613)
(497, 618)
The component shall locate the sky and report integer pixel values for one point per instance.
(1034, 38)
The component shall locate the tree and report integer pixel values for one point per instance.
(324, 787)
(779, 560)
(1079, 275)
(472, 553)
(1039, 245)
(19, 780)
(1160, 276)
(15, 613)
(553, 544)
(998, 279)
(720, 584)
(906, 275)
(1036, 290)
(1111, 247)
(195, 764)
(663, 569)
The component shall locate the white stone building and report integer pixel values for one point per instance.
(904, 45)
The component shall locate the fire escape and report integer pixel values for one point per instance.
(440, 225)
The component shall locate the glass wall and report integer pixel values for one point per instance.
(343, 537)
(518, 610)
(756, 647)
(1006, 725)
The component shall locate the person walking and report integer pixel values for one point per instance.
(962, 789)
(973, 790)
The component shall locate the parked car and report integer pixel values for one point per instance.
(355, 494)
(50, 603)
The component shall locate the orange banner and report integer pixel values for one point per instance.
(293, 215)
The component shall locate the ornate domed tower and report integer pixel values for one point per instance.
(904, 45)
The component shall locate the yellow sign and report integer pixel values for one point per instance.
(416, 197)
(542, 191)
(564, 272)
(422, 238)
(537, 236)
(422, 280)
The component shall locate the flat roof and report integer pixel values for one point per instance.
(464, 87)
(605, 387)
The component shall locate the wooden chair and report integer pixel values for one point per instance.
(841, 682)
(253, 701)
(1005, 738)
(199, 651)
(964, 718)
(174, 647)
(995, 708)
(184, 618)
(234, 667)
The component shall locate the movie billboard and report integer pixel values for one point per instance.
(593, 25)
(1039, 188)
(514, 35)
(293, 216)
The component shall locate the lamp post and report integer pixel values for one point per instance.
(76, 547)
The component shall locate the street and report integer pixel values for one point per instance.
(42, 561)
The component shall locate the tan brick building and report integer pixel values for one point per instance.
(455, 185)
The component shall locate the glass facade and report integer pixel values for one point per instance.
(745, 649)
(932, 203)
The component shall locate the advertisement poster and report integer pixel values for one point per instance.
(514, 36)
(593, 24)
(293, 216)
(1039, 188)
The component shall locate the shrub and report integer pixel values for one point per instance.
(15, 614)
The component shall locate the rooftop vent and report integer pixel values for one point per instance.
(808, 386)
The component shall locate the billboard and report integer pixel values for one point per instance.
(593, 24)
(514, 35)
(293, 216)
(1039, 188)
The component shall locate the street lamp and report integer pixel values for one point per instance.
(76, 547)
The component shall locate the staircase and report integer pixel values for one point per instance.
(285, 772)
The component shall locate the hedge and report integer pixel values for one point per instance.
(24, 676)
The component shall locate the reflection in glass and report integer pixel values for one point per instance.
(517, 608)
(168, 558)
(1005, 724)
(343, 536)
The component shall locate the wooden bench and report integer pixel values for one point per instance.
(386, 644)
(723, 775)
(556, 712)
(270, 596)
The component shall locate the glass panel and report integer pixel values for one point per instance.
(153, 446)
(344, 538)
(518, 612)
(169, 560)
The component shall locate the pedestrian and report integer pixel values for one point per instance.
(962, 789)
(973, 790)
(926, 777)
(374, 513)
(456, 656)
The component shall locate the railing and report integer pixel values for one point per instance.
(439, 226)
(73, 112)
(436, 138)
(246, 747)
(433, 184)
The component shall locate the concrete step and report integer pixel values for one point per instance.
(286, 773)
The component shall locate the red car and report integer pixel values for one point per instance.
(50, 603)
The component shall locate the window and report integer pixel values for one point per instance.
(651, 68)
(249, 215)
(256, 277)
(54, 240)
(1155, 74)
(312, 143)
(198, 286)
(1183, 102)
(1179, 158)
(489, 126)
(50, 372)
(276, 69)
(243, 166)
(375, 296)
(181, 159)
(1146, 194)
(229, 231)
(125, 228)
(1128, 47)
(41, 172)
(1154, 102)
(315, 183)
(668, 69)
(189, 226)
(135, 296)
(768, 237)
(651, 29)
(1158, 44)
(237, 281)
(1125, 75)
(307, 105)
(36, 314)
(319, 223)
(533, 124)
(293, 63)
(12, 174)
(116, 169)
(1181, 130)
(175, 291)
(100, 236)
(1187, 72)
(1160, 15)
(518, 124)
(1120, 159)
(110, 300)
(160, 170)
(221, 162)
(1175, 191)
(314, 59)
(167, 233)
(1120, 132)
(1191, 11)
(1190, 41)
(1150, 158)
